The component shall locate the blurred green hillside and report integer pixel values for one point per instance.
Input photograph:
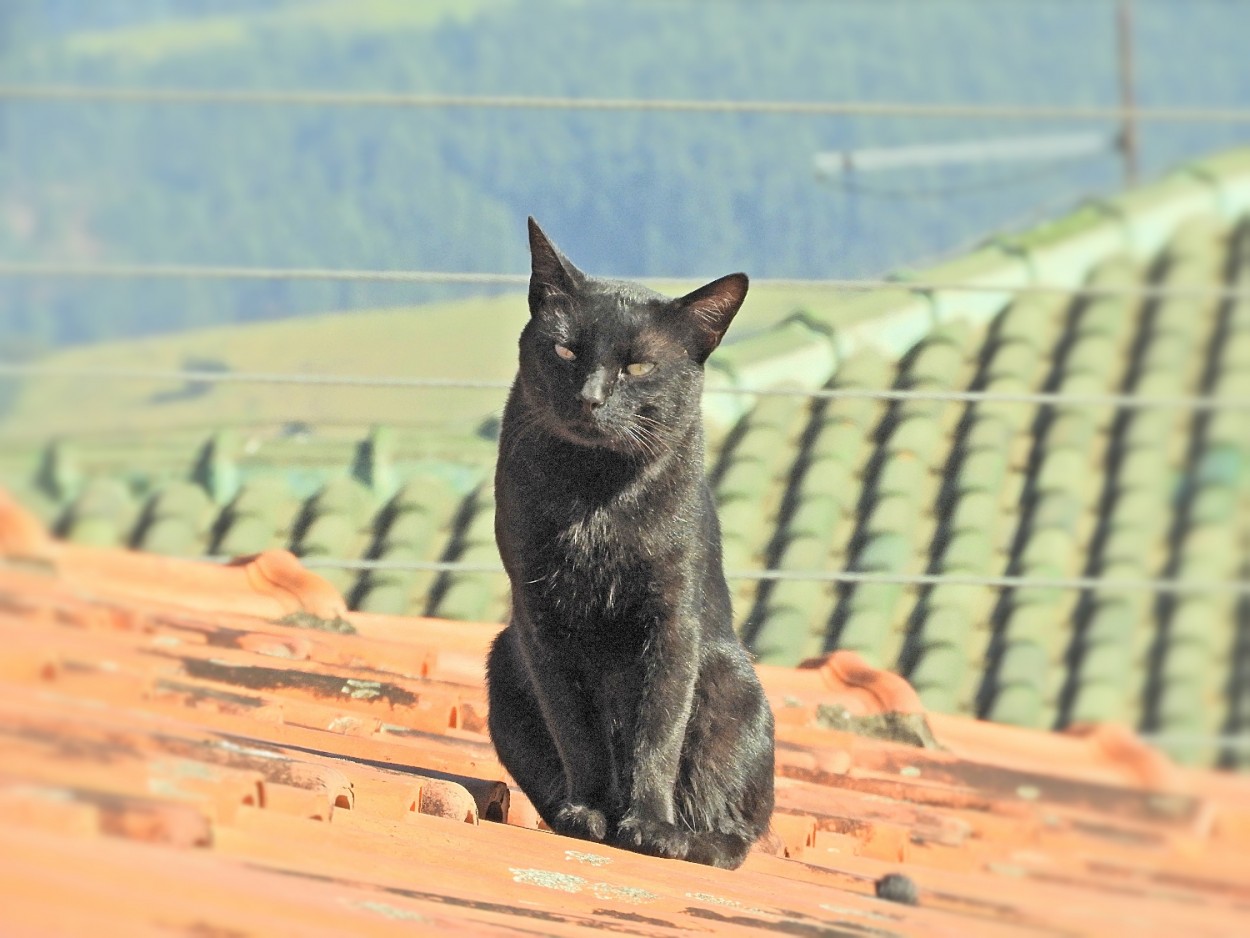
(629, 193)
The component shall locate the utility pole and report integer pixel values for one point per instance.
(1128, 124)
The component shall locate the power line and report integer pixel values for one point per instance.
(310, 98)
(258, 377)
(58, 269)
(1170, 586)
(1039, 398)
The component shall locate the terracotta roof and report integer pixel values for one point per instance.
(860, 485)
(217, 750)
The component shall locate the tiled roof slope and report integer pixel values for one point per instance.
(914, 487)
(195, 749)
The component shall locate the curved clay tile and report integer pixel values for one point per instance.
(279, 574)
(1120, 745)
(863, 689)
(276, 577)
(21, 533)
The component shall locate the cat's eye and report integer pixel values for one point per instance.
(565, 352)
(638, 369)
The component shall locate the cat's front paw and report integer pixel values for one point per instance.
(656, 838)
(578, 820)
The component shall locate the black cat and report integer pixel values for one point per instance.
(621, 700)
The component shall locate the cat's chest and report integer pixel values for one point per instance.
(595, 551)
(598, 533)
(595, 572)
(573, 520)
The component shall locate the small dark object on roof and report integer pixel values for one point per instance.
(895, 887)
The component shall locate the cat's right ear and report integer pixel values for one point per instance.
(552, 275)
(711, 309)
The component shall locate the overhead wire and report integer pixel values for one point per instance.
(1146, 291)
(850, 577)
(319, 98)
(1038, 398)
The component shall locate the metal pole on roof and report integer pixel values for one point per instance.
(1128, 143)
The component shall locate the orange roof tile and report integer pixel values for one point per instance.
(202, 749)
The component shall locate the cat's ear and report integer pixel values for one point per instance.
(551, 273)
(711, 308)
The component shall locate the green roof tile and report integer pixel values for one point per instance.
(1018, 705)
(96, 532)
(1018, 360)
(1034, 623)
(104, 500)
(884, 553)
(390, 597)
(940, 669)
(816, 514)
(1098, 702)
(975, 511)
(982, 470)
(918, 436)
(175, 535)
(184, 500)
(331, 535)
(1029, 319)
(411, 531)
(263, 497)
(1064, 470)
(1022, 662)
(938, 362)
(968, 552)
(1091, 354)
(945, 625)
(248, 535)
(1057, 509)
(345, 496)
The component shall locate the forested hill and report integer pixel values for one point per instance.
(626, 192)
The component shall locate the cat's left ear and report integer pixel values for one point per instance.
(711, 308)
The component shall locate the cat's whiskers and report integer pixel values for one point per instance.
(643, 439)
(657, 443)
(649, 428)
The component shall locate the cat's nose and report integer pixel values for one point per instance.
(595, 390)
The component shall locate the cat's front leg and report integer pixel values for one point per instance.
(579, 810)
(669, 671)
